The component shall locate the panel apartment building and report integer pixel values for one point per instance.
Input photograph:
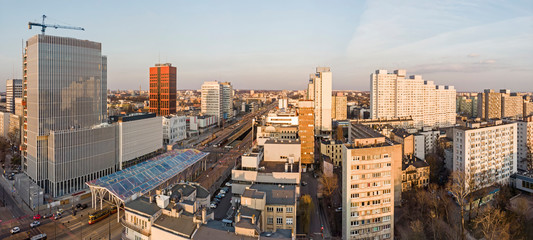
(371, 184)
(319, 90)
(485, 152)
(394, 95)
(66, 140)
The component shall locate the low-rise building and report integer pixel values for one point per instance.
(174, 129)
(266, 208)
(523, 181)
(415, 173)
(332, 149)
(175, 214)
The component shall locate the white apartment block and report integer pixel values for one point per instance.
(174, 129)
(525, 143)
(217, 99)
(486, 153)
(319, 90)
(13, 90)
(394, 95)
(425, 143)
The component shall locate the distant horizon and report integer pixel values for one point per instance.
(471, 45)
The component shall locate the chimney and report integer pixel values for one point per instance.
(253, 219)
(204, 215)
(151, 199)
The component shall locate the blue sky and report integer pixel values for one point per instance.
(276, 44)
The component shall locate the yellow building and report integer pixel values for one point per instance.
(415, 173)
(332, 149)
(339, 107)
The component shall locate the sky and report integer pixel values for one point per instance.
(472, 45)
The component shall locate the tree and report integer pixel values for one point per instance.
(329, 184)
(493, 223)
(417, 230)
(305, 209)
(340, 133)
(458, 189)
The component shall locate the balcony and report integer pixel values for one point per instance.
(134, 227)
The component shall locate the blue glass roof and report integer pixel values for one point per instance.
(146, 176)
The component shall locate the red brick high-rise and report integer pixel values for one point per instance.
(163, 89)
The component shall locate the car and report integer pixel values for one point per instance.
(217, 200)
(222, 191)
(268, 234)
(78, 205)
(83, 206)
(228, 184)
(35, 224)
(37, 217)
(304, 183)
(48, 215)
(56, 217)
(213, 205)
(315, 175)
(60, 211)
(15, 230)
(339, 209)
(226, 189)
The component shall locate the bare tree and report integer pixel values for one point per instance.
(493, 223)
(457, 186)
(329, 184)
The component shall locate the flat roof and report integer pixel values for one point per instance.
(146, 176)
(280, 141)
(360, 131)
(277, 195)
(183, 224)
(143, 205)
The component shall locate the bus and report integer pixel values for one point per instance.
(101, 214)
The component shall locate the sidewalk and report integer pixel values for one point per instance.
(8, 186)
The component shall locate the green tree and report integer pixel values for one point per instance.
(305, 209)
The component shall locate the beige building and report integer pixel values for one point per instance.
(395, 95)
(267, 208)
(407, 140)
(525, 143)
(319, 90)
(415, 173)
(498, 105)
(332, 149)
(371, 184)
(339, 107)
(278, 162)
(528, 108)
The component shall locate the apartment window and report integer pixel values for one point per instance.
(279, 210)
(355, 195)
(288, 221)
(270, 209)
(355, 214)
(289, 209)
(386, 218)
(270, 221)
(354, 186)
(355, 223)
(279, 221)
(386, 191)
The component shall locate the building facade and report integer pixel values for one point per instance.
(64, 99)
(415, 173)
(13, 90)
(395, 95)
(498, 105)
(217, 100)
(486, 153)
(339, 107)
(320, 83)
(174, 129)
(370, 183)
(525, 143)
(306, 130)
(163, 85)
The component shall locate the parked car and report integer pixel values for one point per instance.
(222, 191)
(78, 205)
(304, 183)
(228, 184)
(83, 206)
(48, 215)
(37, 217)
(15, 230)
(339, 209)
(56, 217)
(35, 224)
(217, 200)
(60, 211)
(213, 205)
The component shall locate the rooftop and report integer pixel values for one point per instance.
(400, 132)
(412, 160)
(183, 224)
(276, 141)
(359, 131)
(276, 194)
(218, 230)
(143, 205)
(270, 167)
(146, 176)
(253, 193)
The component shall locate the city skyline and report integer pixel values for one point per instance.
(260, 46)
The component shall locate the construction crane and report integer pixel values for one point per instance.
(44, 26)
